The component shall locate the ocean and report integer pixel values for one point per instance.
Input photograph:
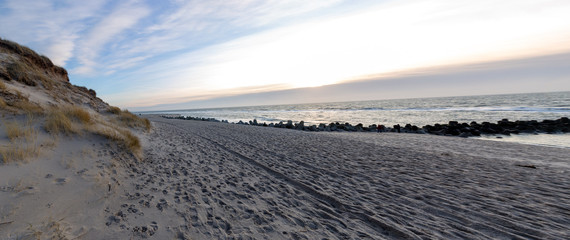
(416, 111)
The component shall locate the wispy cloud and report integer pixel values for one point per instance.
(387, 38)
(49, 27)
(190, 25)
(139, 51)
(106, 31)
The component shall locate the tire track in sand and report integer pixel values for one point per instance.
(379, 226)
(511, 230)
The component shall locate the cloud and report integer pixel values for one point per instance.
(107, 31)
(175, 29)
(170, 50)
(386, 38)
(538, 74)
(48, 27)
(191, 16)
(190, 25)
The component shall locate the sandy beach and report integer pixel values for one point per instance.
(203, 180)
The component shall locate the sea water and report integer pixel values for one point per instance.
(416, 111)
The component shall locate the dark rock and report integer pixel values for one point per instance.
(300, 125)
(289, 124)
(464, 134)
(453, 128)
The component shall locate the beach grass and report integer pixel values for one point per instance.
(15, 130)
(79, 114)
(18, 152)
(122, 137)
(134, 121)
(27, 107)
(31, 68)
(57, 121)
(73, 111)
(130, 119)
(115, 110)
(22, 141)
(62, 119)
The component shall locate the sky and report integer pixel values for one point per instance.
(150, 55)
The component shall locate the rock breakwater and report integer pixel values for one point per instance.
(452, 128)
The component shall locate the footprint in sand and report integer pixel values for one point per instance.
(61, 181)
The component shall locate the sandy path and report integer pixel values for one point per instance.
(210, 180)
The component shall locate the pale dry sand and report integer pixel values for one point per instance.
(203, 180)
(64, 193)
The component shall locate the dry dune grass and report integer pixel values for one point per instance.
(118, 130)
(3, 89)
(29, 75)
(70, 117)
(15, 101)
(129, 119)
(134, 121)
(57, 122)
(62, 119)
(28, 107)
(76, 120)
(114, 110)
(32, 67)
(3, 86)
(70, 120)
(123, 137)
(14, 130)
(19, 152)
(79, 114)
(23, 143)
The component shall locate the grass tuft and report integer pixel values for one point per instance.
(123, 137)
(27, 106)
(58, 122)
(14, 131)
(22, 142)
(79, 114)
(18, 152)
(134, 121)
(129, 119)
(131, 142)
(114, 110)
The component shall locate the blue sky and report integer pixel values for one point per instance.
(138, 54)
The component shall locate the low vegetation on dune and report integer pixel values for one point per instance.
(14, 131)
(31, 68)
(22, 141)
(123, 137)
(131, 120)
(69, 112)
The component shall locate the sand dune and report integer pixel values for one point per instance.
(205, 180)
